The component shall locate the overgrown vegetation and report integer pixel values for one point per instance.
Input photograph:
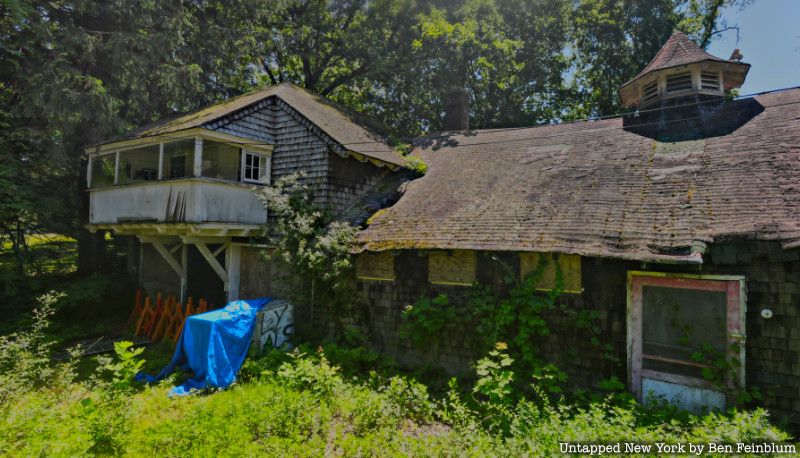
(518, 319)
(314, 249)
(310, 402)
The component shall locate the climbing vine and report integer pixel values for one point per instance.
(516, 319)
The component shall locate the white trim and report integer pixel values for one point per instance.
(160, 161)
(198, 157)
(116, 168)
(89, 172)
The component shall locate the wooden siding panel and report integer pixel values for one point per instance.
(455, 267)
(570, 265)
(375, 266)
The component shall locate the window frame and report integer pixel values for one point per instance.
(262, 158)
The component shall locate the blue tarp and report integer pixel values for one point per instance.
(213, 345)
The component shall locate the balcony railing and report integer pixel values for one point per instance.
(188, 200)
(196, 179)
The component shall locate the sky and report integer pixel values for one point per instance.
(769, 37)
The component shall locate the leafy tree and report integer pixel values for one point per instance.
(80, 71)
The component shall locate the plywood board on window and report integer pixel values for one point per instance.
(569, 264)
(375, 266)
(456, 267)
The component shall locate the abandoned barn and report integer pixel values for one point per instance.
(685, 211)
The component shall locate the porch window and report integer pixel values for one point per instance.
(455, 267)
(221, 160)
(255, 167)
(375, 266)
(178, 159)
(551, 263)
(138, 164)
(686, 341)
(103, 171)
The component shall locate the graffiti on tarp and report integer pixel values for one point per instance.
(274, 325)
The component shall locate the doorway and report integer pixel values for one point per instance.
(685, 338)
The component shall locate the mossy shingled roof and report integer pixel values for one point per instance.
(598, 188)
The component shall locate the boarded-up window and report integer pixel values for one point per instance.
(455, 267)
(569, 264)
(375, 266)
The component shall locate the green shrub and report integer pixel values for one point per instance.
(310, 374)
(300, 405)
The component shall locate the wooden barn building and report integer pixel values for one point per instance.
(686, 211)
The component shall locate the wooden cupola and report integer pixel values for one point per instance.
(680, 69)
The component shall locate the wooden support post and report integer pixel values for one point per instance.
(184, 278)
(160, 161)
(233, 256)
(198, 156)
(116, 168)
(89, 172)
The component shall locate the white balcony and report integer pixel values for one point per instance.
(194, 184)
(184, 200)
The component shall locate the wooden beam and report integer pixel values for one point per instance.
(219, 250)
(233, 256)
(184, 279)
(203, 249)
(176, 266)
(198, 156)
(116, 168)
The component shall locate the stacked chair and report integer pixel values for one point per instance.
(164, 319)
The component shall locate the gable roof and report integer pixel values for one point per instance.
(351, 130)
(680, 50)
(596, 188)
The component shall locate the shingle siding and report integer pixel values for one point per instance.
(772, 348)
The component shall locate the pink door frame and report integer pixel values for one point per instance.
(733, 285)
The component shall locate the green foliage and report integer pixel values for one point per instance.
(310, 374)
(303, 238)
(517, 318)
(416, 165)
(25, 356)
(495, 376)
(122, 370)
(424, 321)
(301, 405)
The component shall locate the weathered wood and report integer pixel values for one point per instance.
(455, 267)
(375, 266)
(167, 255)
(212, 261)
(233, 256)
(198, 157)
(569, 264)
(193, 200)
